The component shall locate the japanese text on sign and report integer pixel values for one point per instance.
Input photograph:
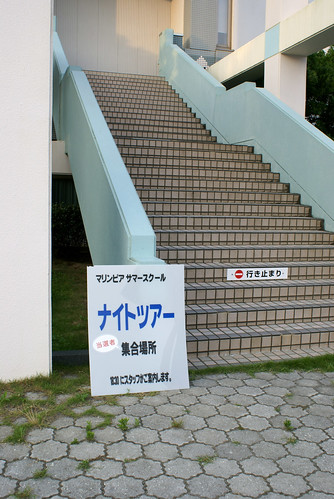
(147, 314)
(256, 273)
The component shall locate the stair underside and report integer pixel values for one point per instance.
(219, 206)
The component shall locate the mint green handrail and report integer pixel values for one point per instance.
(117, 228)
(302, 155)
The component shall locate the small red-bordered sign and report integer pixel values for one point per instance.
(239, 274)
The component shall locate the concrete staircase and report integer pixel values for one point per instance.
(218, 206)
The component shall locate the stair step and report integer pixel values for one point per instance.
(163, 134)
(163, 127)
(244, 253)
(152, 119)
(216, 272)
(258, 313)
(116, 111)
(193, 168)
(155, 208)
(254, 291)
(245, 237)
(202, 222)
(186, 148)
(248, 338)
(190, 150)
(176, 182)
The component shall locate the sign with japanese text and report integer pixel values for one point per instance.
(254, 274)
(136, 328)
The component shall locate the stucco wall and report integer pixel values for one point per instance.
(113, 35)
(25, 32)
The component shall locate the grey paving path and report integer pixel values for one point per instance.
(231, 436)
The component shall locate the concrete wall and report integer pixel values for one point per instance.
(113, 35)
(25, 32)
(242, 29)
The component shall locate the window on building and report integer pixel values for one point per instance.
(224, 9)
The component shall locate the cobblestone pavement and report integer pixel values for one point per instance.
(236, 435)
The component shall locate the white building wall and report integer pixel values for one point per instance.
(25, 41)
(248, 21)
(113, 35)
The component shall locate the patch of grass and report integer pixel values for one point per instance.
(27, 492)
(69, 305)
(40, 473)
(205, 459)
(84, 465)
(19, 434)
(75, 441)
(123, 424)
(89, 433)
(130, 460)
(278, 409)
(107, 420)
(137, 423)
(177, 423)
(288, 395)
(323, 363)
(292, 440)
(235, 442)
(288, 425)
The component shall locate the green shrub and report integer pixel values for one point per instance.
(68, 231)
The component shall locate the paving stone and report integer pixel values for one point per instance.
(233, 450)
(182, 468)
(7, 486)
(317, 422)
(156, 422)
(269, 450)
(62, 398)
(196, 390)
(171, 410)
(286, 483)
(265, 411)
(322, 410)
(62, 422)
(176, 436)
(160, 451)
(23, 469)
(210, 436)
(310, 434)
(248, 437)
(126, 400)
(124, 450)
(235, 411)
(113, 410)
(5, 431)
(64, 468)
(155, 400)
(253, 423)
(292, 412)
(87, 451)
(195, 450)
(207, 487)
(39, 435)
(296, 465)
(222, 468)
(193, 422)
(211, 399)
(80, 487)
(165, 487)
(243, 400)
(252, 391)
(231, 382)
(93, 420)
(10, 452)
(142, 436)
(202, 411)
(139, 410)
(2, 465)
(248, 485)
(308, 449)
(105, 470)
(69, 434)
(276, 435)
(224, 391)
(222, 423)
(299, 401)
(81, 409)
(206, 382)
(259, 466)
(323, 399)
(144, 469)
(35, 396)
(47, 451)
(258, 382)
(183, 399)
(277, 391)
(42, 488)
(108, 435)
(325, 463)
(272, 400)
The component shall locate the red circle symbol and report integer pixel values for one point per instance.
(238, 274)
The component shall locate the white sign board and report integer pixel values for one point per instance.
(136, 328)
(253, 274)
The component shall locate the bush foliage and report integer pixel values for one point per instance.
(68, 231)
